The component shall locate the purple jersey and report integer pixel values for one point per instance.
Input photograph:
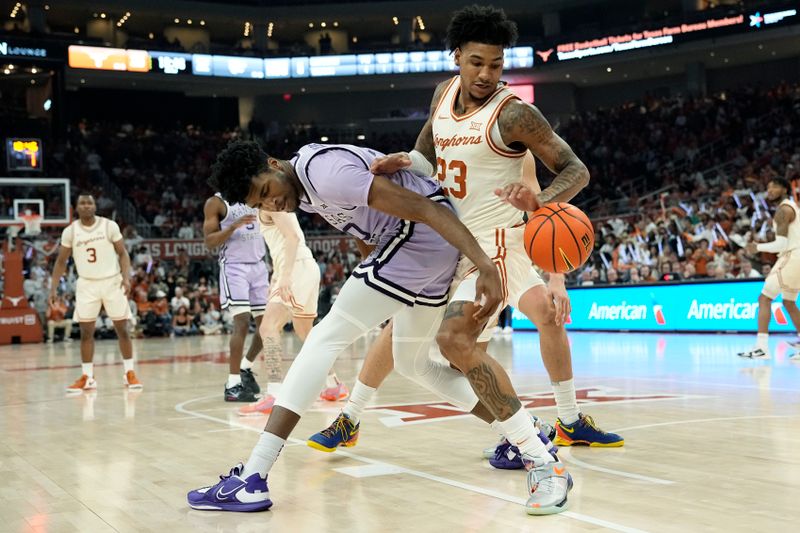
(246, 245)
(336, 182)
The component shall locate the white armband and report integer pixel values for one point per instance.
(420, 164)
(775, 247)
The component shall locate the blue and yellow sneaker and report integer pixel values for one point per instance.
(584, 431)
(342, 432)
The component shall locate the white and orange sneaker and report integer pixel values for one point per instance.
(262, 407)
(131, 381)
(81, 384)
(335, 393)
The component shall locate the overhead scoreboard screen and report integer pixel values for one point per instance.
(23, 154)
(172, 63)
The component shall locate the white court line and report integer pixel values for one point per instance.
(705, 383)
(565, 452)
(181, 408)
(696, 420)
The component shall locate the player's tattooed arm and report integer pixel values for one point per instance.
(524, 124)
(424, 144)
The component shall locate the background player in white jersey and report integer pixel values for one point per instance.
(784, 278)
(293, 294)
(104, 269)
(243, 285)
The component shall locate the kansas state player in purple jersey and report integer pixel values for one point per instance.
(417, 240)
(243, 284)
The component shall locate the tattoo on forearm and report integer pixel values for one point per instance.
(455, 310)
(486, 387)
(524, 124)
(272, 356)
(571, 174)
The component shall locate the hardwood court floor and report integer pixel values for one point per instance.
(711, 444)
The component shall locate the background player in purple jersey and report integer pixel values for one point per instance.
(417, 240)
(243, 283)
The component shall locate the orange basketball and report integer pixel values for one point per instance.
(559, 237)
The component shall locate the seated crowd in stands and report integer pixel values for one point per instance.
(707, 162)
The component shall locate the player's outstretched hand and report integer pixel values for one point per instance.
(520, 196)
(244, 220)
(389, 164)
(53, 297)
(488, 294)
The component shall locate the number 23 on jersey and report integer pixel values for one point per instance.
(458, 171)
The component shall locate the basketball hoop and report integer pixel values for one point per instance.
(33, 224)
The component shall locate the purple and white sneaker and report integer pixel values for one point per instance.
(233, 493)
(507, 456)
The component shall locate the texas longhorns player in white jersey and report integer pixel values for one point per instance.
(293, 293)
(475, 138)
(784, 278)
(103, 266)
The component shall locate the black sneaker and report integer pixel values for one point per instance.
(238, 393)
(249, 381)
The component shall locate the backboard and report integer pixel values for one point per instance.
(46, 197)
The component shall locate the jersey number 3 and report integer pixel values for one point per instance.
(458, 172)
(92, 255)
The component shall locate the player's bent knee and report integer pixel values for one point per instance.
(456, 346)
(537, 304)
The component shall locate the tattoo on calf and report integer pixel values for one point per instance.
(272, 359)
(486, 387)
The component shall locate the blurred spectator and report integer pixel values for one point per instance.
(178, 301)
(747, 271)
(158, 321)
(211, 321)
(182, 323)
(59, 315)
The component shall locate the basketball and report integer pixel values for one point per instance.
(559, 237)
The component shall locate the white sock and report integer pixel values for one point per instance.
(88, 369)
(520, 431)
(127, 364)
(233, 380)
(273, 388)
(762, 341)
(567, 403)
(247, 364)
(331, 380)
(497, 428)
(263, 455)
(358, 400)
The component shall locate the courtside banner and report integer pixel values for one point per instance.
(724, 306)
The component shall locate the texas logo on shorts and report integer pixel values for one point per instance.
(427, 412)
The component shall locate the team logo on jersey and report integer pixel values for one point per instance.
(427, 412)
(456, 140)
(476, 126)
